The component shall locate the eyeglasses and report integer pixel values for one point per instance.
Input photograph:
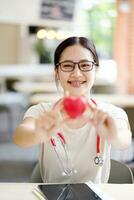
(69, 66)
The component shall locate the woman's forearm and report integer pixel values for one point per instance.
(25, 136)
(122, 140)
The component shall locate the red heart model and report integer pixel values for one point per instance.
(75, 106)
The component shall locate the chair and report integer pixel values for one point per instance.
(119, 173)
(36, 176)
(6, 109)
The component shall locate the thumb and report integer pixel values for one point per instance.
(58, 106)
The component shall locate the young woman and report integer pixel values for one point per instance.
(75, 150)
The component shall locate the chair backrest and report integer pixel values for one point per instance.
(36, 176)
(120, 173)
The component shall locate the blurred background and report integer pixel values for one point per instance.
(29, 33)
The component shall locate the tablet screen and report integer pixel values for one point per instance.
(68, 192)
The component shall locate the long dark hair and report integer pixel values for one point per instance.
(86, 43)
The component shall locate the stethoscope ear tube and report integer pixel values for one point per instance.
(66, 166)
(98, 160)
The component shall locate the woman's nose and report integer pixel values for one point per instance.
(76, 71)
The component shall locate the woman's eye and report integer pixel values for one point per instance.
(67, 66)
(86, 65)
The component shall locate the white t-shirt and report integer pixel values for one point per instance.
(80, 153)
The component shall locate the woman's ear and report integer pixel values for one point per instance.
(57, 79)
(56, 74)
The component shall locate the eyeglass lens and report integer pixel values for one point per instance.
(69, 66)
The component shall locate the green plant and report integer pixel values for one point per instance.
(101, 19)
(42, 51)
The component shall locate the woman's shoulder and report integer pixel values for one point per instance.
(38, 109)
(114, 110)
(45, 106)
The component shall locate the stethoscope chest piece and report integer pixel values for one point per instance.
(69, 172)
(98, 160)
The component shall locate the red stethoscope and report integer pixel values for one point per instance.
(98, 160)
(66, 166)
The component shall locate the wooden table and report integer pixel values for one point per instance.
(23, 191)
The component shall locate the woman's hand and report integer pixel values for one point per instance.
(105, 125)
(48, 123)
(33, 131)
(115, 131)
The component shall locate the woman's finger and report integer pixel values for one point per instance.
(103, 118)
(91, 105)
(58, 106)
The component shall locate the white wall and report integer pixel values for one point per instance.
(15, 45)
(25, 12)
(9, 41)
(15, 17)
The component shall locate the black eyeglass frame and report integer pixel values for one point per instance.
(74, 63)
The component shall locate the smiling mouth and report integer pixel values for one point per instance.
(76, 83)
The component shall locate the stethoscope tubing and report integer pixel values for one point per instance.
(68, 169)
(98, 160)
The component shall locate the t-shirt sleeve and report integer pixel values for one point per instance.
(115, 112)
(37, 110)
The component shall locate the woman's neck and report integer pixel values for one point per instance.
(80, 121)
(87, 96)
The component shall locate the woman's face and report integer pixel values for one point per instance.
(76, 82)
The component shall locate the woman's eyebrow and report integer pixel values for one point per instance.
(83, 60)
(66, 61)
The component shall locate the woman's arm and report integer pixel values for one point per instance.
(25, 134)
(120, 135)
(33, 131)
(115, 130)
